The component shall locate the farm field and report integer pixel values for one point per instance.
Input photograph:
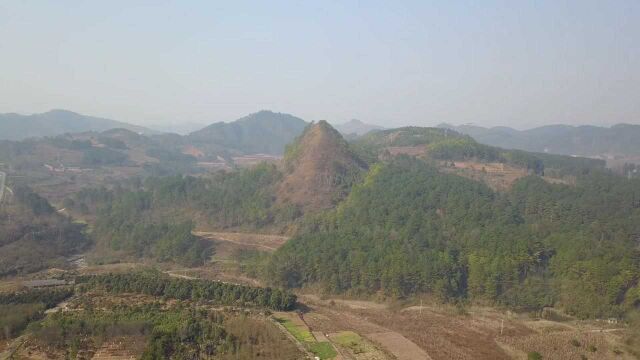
(358, 329)
(319, 346)
(440, 332)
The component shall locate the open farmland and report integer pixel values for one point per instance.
(442, 332)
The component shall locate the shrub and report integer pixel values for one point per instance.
(534, 355)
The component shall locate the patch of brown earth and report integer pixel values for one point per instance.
(263, 242)
(316, 164)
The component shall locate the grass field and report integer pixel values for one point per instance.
(323, 350)
(296, 327)
(302, 334)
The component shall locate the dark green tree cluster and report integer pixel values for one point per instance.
(157, 284)
(112, 142)
(409, 229)
(34, 202)
(462, 149)
(95, 157)
(47, 297)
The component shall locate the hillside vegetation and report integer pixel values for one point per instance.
(407, 229)
(33, 236)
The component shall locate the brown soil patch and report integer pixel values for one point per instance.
(397, 344)
(407, 150)
(438, 331)
(261, 242)
(193, 151)
(120, 349)
(498, 176)
(218, 271)
(568, 345)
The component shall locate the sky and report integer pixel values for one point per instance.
(515, 63)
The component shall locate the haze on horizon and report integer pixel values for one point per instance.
(496, 63)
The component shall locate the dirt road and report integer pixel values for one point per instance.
(263, 242)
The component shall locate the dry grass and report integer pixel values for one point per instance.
(565, 345)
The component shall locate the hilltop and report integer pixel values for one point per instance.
(319, 168)
(263, 132)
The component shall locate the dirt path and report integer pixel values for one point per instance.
(262, 242)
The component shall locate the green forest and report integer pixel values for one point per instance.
(157, 284)
(409, 229)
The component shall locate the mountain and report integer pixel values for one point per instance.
(319, 167)
(461, 154)
(262, 132)
(622, 140)
(56, 122)
(356, 127)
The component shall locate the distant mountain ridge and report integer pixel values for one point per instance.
(57, 122)
(586, 140)
(357, 127)
(262, 132)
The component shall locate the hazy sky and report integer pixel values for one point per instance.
(392, 63)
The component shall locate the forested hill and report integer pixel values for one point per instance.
(56, 122)
(621, 139)
(262, 132)
(444, 144)
(408, 228)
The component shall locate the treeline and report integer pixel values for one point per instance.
(103, 157)
(47, 297)
(409, 229)
(157, 284)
